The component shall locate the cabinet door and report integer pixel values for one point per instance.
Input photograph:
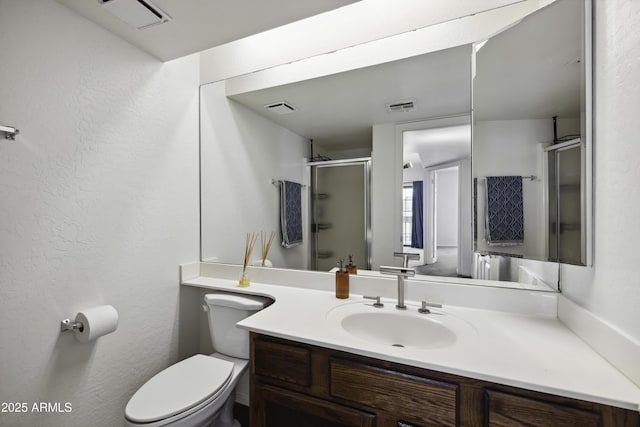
(283, 362)
(412, 400)
(508, 410)
(276, 407)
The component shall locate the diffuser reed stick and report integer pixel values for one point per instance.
(250, 241)
(266, 245)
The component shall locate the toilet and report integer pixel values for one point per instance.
(200, 391)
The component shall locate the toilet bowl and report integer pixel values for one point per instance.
(200, 391)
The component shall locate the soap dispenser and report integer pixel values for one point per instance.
(342, 281)
(351, 267)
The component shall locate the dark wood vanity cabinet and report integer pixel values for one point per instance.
(276, 406)
(299, 385)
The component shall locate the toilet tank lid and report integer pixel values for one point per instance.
(239, 301)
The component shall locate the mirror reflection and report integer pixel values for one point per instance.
(437, 197)
(530, 139)
(379, 113)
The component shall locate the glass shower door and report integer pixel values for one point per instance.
(340, 214)
(569, 212)
(565, 202)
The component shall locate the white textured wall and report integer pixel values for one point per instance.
(242, 152)
(99, 204)
(447, 207)
(611, 289)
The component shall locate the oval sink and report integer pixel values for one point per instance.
(398, 330)
(390, 327)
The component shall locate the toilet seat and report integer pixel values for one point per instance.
(180, 389)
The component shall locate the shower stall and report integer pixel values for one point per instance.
(566, 226)
(340, 213)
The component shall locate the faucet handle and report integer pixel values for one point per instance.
(406, 256)
(398, 271)
(425, 304)
(376, 304)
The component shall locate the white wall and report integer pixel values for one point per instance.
(465, 233)
(241, 153)
(386, 196)
(447, 207)
(346, 153)
(99, 206)
(512, 147)
(611, 288)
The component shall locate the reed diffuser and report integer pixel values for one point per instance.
(250, 241)
(266, 244)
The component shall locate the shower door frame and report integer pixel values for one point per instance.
(584, 201)
(366, 163)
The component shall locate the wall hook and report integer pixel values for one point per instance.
(9, 132)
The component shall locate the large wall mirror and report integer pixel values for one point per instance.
(410, 116)
(532, 138)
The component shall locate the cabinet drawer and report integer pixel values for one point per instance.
(409, 398)
(511, 410)
(283, 362)
(284, 408)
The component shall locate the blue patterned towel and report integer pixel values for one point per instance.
(505, 219)
(291, 213)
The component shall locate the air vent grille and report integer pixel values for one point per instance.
(400, 106)
(280, 108)
(139, 14)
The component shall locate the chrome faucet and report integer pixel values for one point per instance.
(406, 256)
(402, 273)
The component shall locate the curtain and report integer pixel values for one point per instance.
(416, 213)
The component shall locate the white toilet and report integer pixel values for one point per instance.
(199, 391)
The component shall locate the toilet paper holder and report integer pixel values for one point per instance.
(68, 325)
(92, 323)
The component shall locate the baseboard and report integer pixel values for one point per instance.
(617, 347)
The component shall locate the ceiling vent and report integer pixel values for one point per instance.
(400, 106)
(280, 108)
(139, 14)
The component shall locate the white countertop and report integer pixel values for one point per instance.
(532, 352)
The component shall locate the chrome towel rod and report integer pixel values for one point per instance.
(529, 177)
(277, 182)
(9, 132)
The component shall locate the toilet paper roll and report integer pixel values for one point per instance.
(96, 322)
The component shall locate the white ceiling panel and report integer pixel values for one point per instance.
(342, 108)
(197, 25)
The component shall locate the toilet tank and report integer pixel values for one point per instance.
(225, 310)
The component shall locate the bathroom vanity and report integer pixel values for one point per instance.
(298, 384)
(490, 356)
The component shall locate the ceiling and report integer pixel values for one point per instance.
(339, 110)
(437, 146)
(197, 25)
(529, 71)
(533, 69)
